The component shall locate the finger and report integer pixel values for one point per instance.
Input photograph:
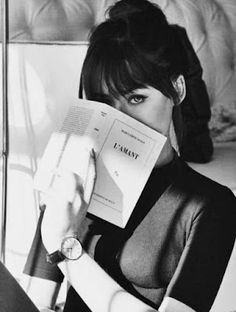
(64, 185)
(90, 178)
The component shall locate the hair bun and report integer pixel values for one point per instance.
(137, 10)
(125, 8)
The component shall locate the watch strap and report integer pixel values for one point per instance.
(55, 257)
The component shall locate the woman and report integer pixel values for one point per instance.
(173, 253)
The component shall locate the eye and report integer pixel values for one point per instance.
(136, 99)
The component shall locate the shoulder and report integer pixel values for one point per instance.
(203, 189)
(209, 208)
(197, 182)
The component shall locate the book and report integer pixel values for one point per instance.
(126, 152)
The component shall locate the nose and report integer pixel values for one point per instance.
(117, 104)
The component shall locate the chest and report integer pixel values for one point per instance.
(150, 255)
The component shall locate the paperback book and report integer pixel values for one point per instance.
(126, 151)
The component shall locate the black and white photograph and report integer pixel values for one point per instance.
(118, 156)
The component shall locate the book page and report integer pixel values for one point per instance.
(126, 152)
(63, 150)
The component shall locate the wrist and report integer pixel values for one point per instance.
(58, 223)
(52, 245)
(70, 249)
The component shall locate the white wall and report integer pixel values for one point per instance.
(43, 81)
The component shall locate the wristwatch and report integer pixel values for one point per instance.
(71, 249)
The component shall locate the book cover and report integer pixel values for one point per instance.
(126, 152)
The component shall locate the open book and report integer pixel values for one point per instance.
(126, 152)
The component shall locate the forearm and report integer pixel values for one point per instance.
(98, 290)
(67, 203)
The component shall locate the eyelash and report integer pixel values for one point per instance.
(141, 99)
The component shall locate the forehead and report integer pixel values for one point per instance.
(114, 73)
(113, 87)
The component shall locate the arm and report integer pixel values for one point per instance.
(67, 204)
(98, 289)
(205, 257)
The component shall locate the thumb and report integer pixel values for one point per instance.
(90, 178)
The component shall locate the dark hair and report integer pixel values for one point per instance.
(134, 48)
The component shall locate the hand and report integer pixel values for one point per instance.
(67, 203)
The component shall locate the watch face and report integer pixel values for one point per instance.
(71, 248)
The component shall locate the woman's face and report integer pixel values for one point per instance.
(149, 106)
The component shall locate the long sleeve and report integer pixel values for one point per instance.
(203, 263)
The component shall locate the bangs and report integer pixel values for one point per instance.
(117, 70)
